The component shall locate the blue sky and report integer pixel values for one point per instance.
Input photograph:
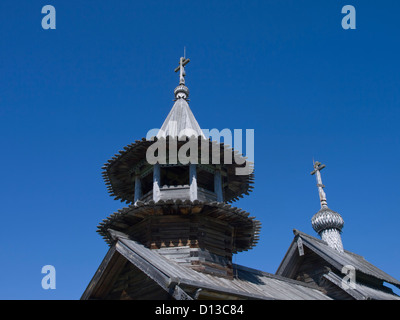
(71, 98)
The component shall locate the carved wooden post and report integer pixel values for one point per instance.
(156, 182)
(218, 185)
(193, 182)
(138, 188)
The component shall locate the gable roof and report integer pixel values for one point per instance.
(334, 258)
(361, 291)
(180, 280)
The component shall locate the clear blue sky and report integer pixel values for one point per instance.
(71, 98)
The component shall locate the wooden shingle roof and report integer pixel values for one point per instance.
(118, 172)
(339, 260)
(180, 122)
(185, 283)
(247, 227)
(361, 291)
(369, 279)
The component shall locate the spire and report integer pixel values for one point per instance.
(322, 196)
(326, 222)
(180, 120)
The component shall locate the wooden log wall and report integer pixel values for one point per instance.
(201, 242)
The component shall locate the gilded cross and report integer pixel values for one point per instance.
(322, 196)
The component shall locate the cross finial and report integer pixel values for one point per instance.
(322, 196)
(182, 63)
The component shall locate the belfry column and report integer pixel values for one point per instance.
(218, 185)
(138, 188)
(326, 222)
(193, 181)
(156, 182)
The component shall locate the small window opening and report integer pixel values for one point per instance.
(147, 183)
(174, 176)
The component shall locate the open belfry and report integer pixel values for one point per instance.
(179, 232)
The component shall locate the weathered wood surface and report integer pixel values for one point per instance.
(246, 229)
(193, 182)
(180, 193)
(156, 183)
(119, 170)
(247, 283)
(105, 276)
(321, 265)
(199, 241)
(138, 188)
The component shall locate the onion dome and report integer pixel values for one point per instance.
(326, 222)
(327, 219)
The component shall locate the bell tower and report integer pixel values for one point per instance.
(179, 203)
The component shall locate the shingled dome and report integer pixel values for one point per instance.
(327, 219)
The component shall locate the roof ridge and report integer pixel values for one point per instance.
(301, 233)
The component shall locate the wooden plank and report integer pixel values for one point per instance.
(105, 275)
(149, 255)
(179, 294)
(159, 277)
(193, 181)
(156, 182)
